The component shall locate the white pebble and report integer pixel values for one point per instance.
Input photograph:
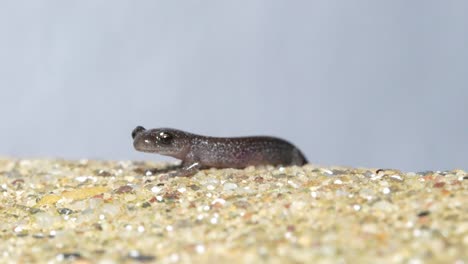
(200, 249)
(229, 186)
(155, 189)
(386, 190)
(219, 200)
(338, 182)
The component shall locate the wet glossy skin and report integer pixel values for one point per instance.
(198, 152)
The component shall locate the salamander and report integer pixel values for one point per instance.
(202, 152)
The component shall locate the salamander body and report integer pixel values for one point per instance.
(200, 152)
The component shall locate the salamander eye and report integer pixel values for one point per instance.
(165, 138)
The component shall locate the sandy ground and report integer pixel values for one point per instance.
(117, 212)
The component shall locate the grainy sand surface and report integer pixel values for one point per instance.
(88, 211)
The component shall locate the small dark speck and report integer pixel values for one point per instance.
(140, 171)
(124, 189)
(339, 172)
(282, 175)
(38, 236)
(70, 255)
(146, 204)
(103, 173)
(64, 211)
(99, 251)
(17, 182)
(194, 187)
(423, 213)
(172, 195)
(34, 210)
(139, 257)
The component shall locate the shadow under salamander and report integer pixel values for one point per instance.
(155, 171)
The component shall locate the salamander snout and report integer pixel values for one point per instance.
(137, 131)
(165, 141)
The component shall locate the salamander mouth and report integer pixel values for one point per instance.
(142, 143)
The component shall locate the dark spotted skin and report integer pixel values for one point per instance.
(200, 152)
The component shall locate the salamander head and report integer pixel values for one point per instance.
(164, 141)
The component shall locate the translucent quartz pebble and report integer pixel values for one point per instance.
(367, 193)
(229, 186)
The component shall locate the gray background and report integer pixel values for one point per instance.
(358, 83)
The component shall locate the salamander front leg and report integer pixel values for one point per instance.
(187, 170)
